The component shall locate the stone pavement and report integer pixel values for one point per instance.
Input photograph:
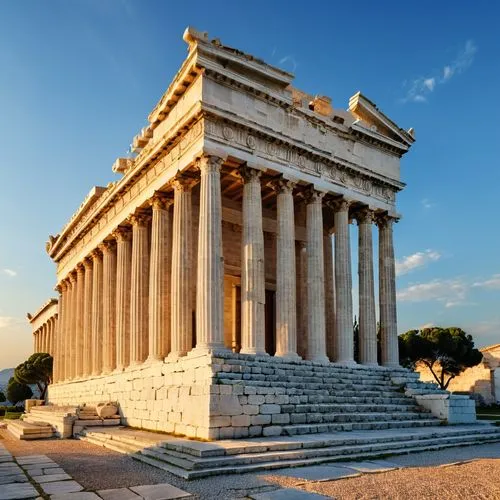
(38, 477)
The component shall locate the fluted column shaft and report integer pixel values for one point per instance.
(56, 369)
(316, 328)
(253, 292)
(78, 329)
(61, 332)
(343, 286)
(70, 352)
(108, 249)
(329, 297)
(87, 318)
(286, 312)
(210, 268)
(139, 287)
(123, 237)
(159, 278)
(387, 294)
(35, 342)
(67, 330)
(367, 319)
(182, 269)
(97, 320)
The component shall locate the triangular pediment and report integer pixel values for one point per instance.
(372, 119)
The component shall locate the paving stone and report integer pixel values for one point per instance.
(118, 494)
(80, 495)
(49, 478)
(58, 487)
(366, 467)
(15, 478)
(34, 459)
(317, 472)
(11, 469)
(47, 465)
(286, 494)
(163, 491)
(17, 491)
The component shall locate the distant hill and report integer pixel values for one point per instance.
(5, 375)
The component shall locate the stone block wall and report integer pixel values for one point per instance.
(451, 408)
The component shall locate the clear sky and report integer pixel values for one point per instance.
(78, 79)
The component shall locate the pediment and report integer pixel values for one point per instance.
(369, 117)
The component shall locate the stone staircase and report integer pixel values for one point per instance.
(316, 398)
(29, 431)
(191, 459)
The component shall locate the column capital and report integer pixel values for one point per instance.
(80, 269)
(60, 287)
(161, 201)
(96, 254)
(139, 218)
(340, 205)
(87, 263)
(183, 182)
(107, 246)
(364, 216)
(249, 174)
(210, 163)
(122, 233)
(311, 195)
(72, 277)
(385, 220)
(282, 185)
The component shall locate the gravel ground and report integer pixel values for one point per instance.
(99, 468)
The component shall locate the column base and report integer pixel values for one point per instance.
(320, 359)
(209, 349)
(347, 362)
(369, 364)
(254, 352)
(391, 364)
(174, 356)
(289, 356)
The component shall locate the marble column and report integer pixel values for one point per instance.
(286, 304)
(301, 287)
(139, 287)
(253, 288)
(182, 271)
(67, 328)
(329, 296)
(367, 320)
(210, 268)
(78, 329)
(97, 303)
(61, 331)
(70, 352)
(108, 249)
(56, 371)
(343, 286)
(123, 237)
(159, 278)
(316, 328)
(35, 342)
(387, 293)
(87, 318)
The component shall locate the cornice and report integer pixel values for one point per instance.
(47, 305)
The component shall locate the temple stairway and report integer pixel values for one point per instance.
(192, 459)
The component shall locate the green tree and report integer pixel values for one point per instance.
(2, 397)
(17, 392)
(37, 369)
(446, 352)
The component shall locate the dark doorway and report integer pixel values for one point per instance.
(270, 321)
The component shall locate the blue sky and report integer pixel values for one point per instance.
(78, 79)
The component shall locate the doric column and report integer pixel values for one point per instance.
(78, 329)
(316, 337)
(50, 349)
(286, 312)
(108, 249)
(159, 278)
(329, 296)
(343, 285)
(301, 287)
(49, 333)
(139, 283)
(182, 272)
(367, 321)
(68, 335)
(35, 341)
(56, 370)
(387, 293)
(96, 311)
(253, 291)
(70, 352)
(123, 237)
(62, 288)
(87, 318)
(210, 268)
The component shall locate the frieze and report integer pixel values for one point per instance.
(300, 160)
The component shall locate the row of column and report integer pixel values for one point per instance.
(43, 337)
(132, 299)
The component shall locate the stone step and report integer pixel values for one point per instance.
(314, 418)
(111, 444)
(351, 408)
(191, 467)
(358, 400)
(292, 430)
(24, 430)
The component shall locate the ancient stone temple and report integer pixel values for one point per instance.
(208, 291)
(44, 325)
